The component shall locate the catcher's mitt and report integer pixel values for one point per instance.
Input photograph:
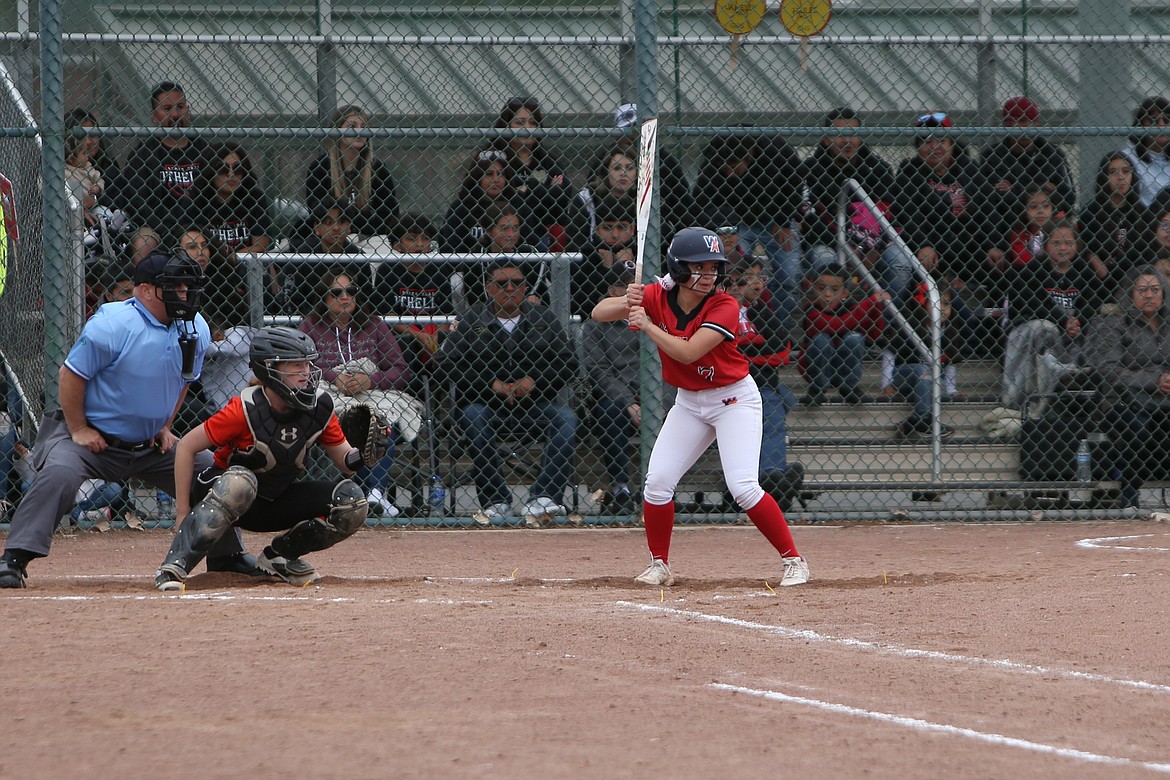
(365, 431)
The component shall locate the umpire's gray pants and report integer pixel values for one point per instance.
(61, 466)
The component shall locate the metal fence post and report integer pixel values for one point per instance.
(53, 200)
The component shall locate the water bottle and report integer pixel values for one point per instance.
(1084, 471)
(437, 496)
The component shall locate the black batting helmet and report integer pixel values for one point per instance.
(277, 344)
(694, 245)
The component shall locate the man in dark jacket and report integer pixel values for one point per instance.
(758, 179)
(507, 361)
(838, 159)
(1018, 163)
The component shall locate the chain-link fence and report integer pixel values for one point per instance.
(945, 223)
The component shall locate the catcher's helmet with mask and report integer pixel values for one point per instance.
(274, 345)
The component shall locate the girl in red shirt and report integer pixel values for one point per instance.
(694, 326)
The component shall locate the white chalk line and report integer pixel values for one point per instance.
(1107, 543)
(943, 728)
(808, 635)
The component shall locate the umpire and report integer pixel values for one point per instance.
(121, 386)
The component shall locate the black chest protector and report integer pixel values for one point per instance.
(282, 442)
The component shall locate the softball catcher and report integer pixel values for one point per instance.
(262, 439)
(694, 323)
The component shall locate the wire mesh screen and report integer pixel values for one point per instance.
(941, 222)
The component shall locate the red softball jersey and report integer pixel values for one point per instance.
(229, 432)
(723, 365)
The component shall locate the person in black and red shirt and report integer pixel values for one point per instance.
(694, 325)
(161, 175)
(261, 441)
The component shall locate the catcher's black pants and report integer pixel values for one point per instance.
(299, 501)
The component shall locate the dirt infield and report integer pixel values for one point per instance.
(918, 651)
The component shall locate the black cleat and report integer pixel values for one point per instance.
(12, 574)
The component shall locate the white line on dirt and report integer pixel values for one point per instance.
(943, 728)
(904, 652)
(1107, 543)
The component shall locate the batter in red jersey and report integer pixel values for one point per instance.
(693, 324)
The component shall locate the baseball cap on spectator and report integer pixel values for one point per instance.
(151, 268)
(625, 116)
(1020, 108)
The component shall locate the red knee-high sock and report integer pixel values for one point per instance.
(766, 516)
(659, 523)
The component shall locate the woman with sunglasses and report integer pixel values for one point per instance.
(231, 206)
(361, 362)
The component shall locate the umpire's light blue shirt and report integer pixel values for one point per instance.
(132, 367)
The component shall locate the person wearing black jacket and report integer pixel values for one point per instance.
(937, 202)
(1116, 229)
(1049, 302)
(838, 159)
(1018, 163)
(507, 360)
(759, 180)
(348, 171)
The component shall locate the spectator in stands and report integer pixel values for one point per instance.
(159, 183)
(503, 235)
(232, 209)
(1158, 246)
(539, 180)
(674, 192)
(1116, 229)
(82, 174)
(484, 184)
(759, 180)
(361, 362)
(1130, 350)
(1049, 302)
(88, 151)
(508, 360)
(1150, 154)
(1019, 163)
(144, 242)
(612, 246)
(764, 341)
(836, 332)
(936, 203)
(837, 159)
(225, 306)
(414, 285)
(912, 371)
(226, 294)
(349, 172)
(611, 362)
(331, 224)
(119, 284)
(1025, 240)
(614, 174)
